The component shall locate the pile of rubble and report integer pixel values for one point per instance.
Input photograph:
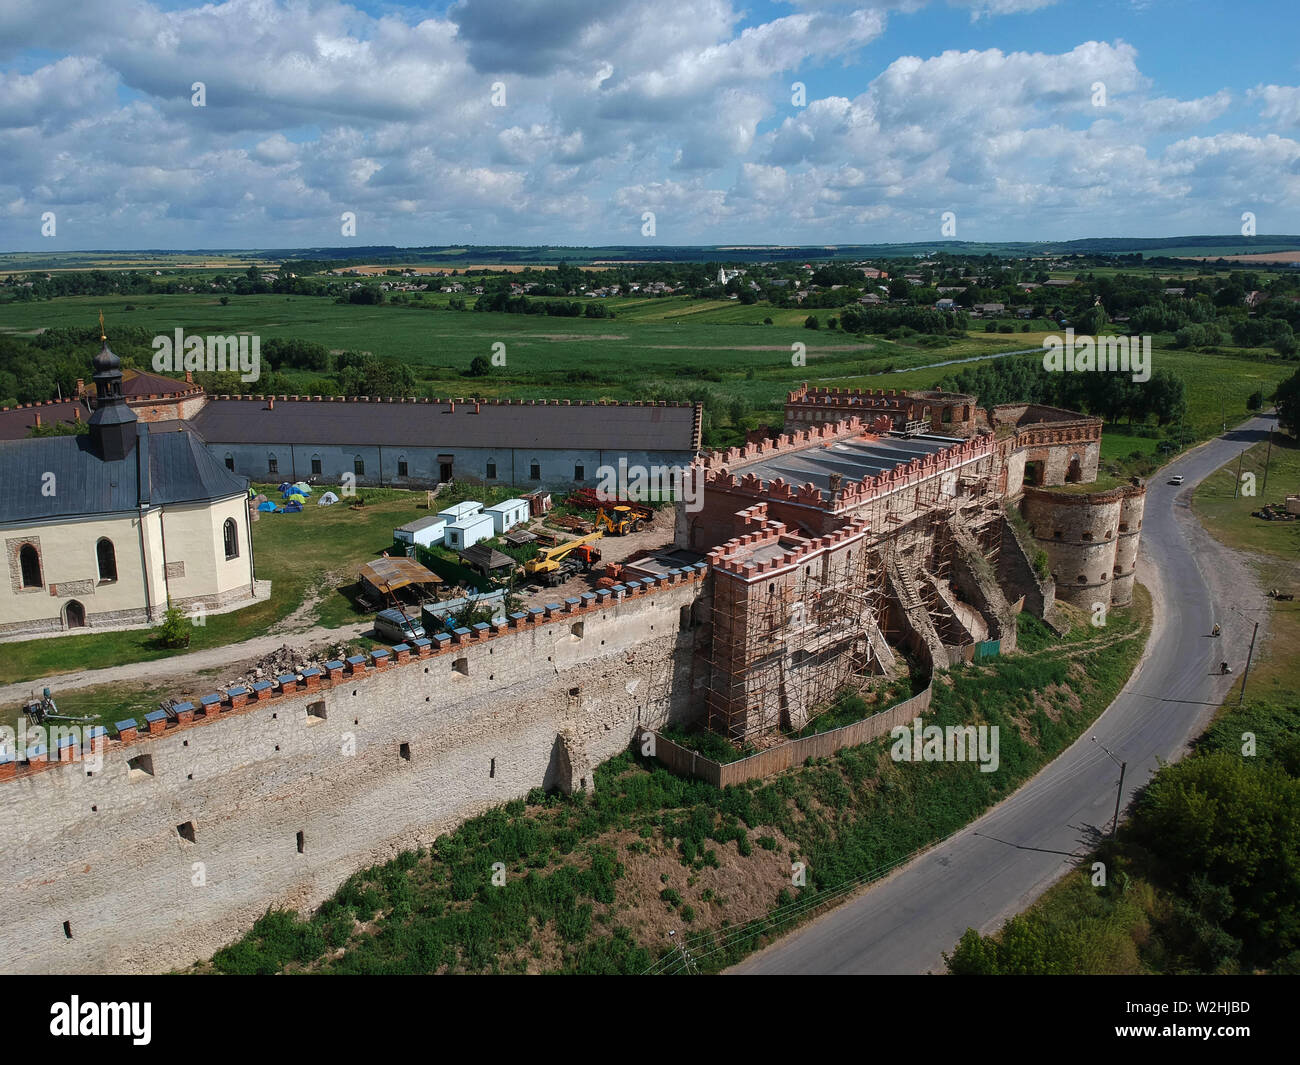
(284, 660)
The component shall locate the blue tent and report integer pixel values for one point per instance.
(267, 507)
(285, 487)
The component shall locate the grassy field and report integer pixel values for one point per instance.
(1274, 551)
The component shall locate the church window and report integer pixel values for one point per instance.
(230, 534)
(30, 563)
(107, 559)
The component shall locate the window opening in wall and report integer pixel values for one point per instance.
(401, 468)
(578, 628)
(315, 465)
(491, 471)
(316, 712)
(230, 463)
(492, 768)
(186, 831)
(30, 563)
(461, 666)
(404, 749)
(272, 464)
(535, 471)
(573, 692)
(300, 842)
(579, 473)
(139, 766)
(1087, 536)
(359, 466)
(67, 929)
(230, 538)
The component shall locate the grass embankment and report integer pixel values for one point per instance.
(1203, 877)
(594, 883)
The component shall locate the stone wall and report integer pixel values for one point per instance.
(184, 837)
(1078, 533)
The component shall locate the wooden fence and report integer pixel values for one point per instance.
(687, 763)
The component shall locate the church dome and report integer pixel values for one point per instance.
(106, 361)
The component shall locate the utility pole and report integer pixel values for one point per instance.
(1237, 484)
(1119, 795)
(1246, 672)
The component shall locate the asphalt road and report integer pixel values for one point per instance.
(998, 865)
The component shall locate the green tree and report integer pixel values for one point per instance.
(1287, 400)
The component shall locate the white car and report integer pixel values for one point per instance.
(1176, 479)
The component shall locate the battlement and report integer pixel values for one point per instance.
(848, 494)
(238, 700)
(475, 402)
(776, 549)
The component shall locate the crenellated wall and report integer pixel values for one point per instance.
(189, 831)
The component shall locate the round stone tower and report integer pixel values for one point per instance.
(1078, 532)
(1128, 536)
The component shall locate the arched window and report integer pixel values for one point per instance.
(107, 559)
(230, 534)
(30, 562)
(230, 461)
(272, 464)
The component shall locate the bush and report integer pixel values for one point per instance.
(175, 629)
(811, 322)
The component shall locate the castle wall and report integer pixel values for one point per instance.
(280, 811)
(1129, 538)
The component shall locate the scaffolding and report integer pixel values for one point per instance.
(782, 648)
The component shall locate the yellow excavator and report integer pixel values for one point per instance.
(555, 565)
(619, 521)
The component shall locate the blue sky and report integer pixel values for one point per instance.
(568, 122)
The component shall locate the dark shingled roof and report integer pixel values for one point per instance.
(417, 423)
(169, 467)
(15, 422)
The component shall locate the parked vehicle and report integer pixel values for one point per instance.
(1176, 479)
(396, 626)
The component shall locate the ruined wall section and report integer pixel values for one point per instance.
(278, 811)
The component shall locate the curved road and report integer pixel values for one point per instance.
(999, 864)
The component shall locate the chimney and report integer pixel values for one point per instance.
(38, 419)
(76, 414)
(270, 403)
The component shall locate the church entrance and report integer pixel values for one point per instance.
(75, 615)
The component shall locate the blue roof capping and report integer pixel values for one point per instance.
(184, 706)
(588, 595)
(209, 700)
(573, 600)
(422, 641)
(122, 726)
(380, 652)
(312, 672)
(603, 593)
(96, 731)
(442, 638)
(286, 679)
(261, 685)
(482, 626)
(519, 616)
(336, 664)
(356, 660)
(237, 690)
(618, 588)
(157, 715)
(674, 571)
(634, 584)
(402, 647)
(461, 632)
(536, 610)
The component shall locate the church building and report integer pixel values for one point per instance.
(111, 527)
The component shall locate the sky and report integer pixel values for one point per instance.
(588, 122)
